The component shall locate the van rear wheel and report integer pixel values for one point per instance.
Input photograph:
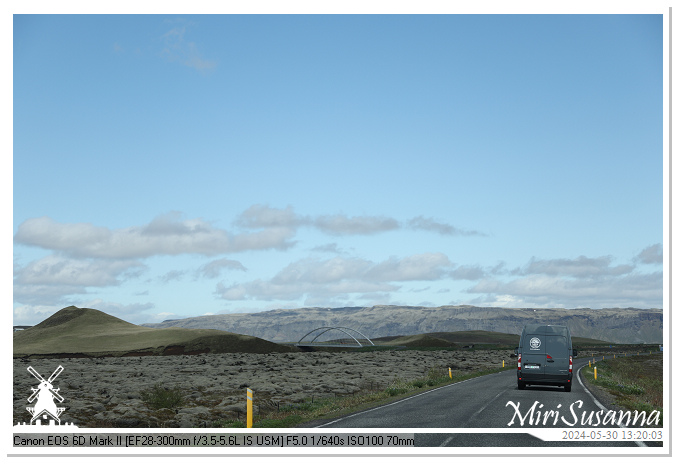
(522, 385)
(567, 387)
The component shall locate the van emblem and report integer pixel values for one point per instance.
(535, 343)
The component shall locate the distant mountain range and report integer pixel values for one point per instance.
(616, 325)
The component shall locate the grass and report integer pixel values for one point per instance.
(160, 397)
(327, 408)
(635, 382)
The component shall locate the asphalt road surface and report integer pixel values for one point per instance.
(484, 402)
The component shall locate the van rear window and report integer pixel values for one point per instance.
(556, 344)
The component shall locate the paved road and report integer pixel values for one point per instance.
(484, 402)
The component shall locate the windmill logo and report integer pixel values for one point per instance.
(45, 407)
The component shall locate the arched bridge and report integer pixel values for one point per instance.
(310, 339)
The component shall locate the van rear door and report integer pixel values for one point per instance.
(533, 356)
(556, 357)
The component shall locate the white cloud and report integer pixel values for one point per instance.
(468, 272)
(579, 267)
(432, 225)
(59, 270)
(44, 295)
(277, 238)
(33, 314)
(651, 254)
(177, 49)
(316, 271)
(641, 290)
(134, 313)
(214, 268)
(426, 266)
(164, 235)
(172, 276)
(50, 279)
(338, 277)
(236, 292)
(328, 248)
(268, 290)
(43, 232)
(262, 216)
(340, 224)
(579, 282)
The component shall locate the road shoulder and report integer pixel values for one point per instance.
(602, 395)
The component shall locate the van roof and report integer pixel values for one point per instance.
(546, 329)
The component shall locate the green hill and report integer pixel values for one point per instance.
(88, 332)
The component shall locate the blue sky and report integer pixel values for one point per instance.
(170, 166)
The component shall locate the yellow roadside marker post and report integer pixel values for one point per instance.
(594, 372)
(503, 363)
(450, 372)
(249, 425)
(590, 364)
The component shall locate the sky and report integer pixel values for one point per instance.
(169, 166)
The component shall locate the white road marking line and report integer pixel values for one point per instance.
(447, 440)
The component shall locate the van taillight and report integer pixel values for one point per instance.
(519, 362)
(570, 364)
